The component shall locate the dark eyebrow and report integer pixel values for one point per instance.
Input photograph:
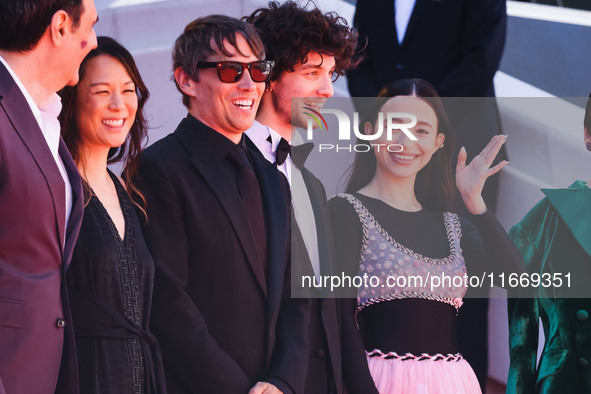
(308, 65)
(419, 122)
(106, 83)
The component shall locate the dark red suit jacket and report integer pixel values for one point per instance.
(34, 254)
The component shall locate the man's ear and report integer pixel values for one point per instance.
(368, 128)
(185, 82)
(269, 86)
(59, 26)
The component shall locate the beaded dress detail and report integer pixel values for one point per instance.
(396, 272)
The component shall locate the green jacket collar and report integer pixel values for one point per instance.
(574, 207)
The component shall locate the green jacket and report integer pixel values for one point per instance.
(553, 238)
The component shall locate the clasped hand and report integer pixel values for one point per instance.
(264, 388)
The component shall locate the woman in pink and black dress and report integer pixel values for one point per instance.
(396, 224)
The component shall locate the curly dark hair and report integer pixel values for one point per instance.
(130, 152)
(434, 185)
(290, 31)
(195, 43)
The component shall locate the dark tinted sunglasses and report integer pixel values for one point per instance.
(230, 72)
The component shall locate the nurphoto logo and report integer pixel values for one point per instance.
(386, 123)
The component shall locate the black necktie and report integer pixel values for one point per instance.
(299, 153)
(248, 187)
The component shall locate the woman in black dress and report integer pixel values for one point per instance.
(111, 275)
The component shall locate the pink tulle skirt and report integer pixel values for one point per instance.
(395, 376)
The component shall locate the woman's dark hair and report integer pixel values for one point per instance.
(129, 153)
(434, 185)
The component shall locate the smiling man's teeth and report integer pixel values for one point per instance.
(403, 157)
(113, 122)
(244, 103)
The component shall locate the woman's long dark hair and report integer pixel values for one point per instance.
(129, 153)
(434, 185)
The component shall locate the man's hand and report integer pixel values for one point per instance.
(264, 388)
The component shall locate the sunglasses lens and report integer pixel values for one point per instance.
(230, 72)
(259, 71)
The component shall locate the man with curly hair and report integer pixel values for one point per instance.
(310, 50)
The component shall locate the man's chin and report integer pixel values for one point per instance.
(74, 80)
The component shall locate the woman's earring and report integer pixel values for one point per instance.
(588, 146)
(441, 146)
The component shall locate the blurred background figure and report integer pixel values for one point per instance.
(111, 277)
(457, 47)
(554, 237)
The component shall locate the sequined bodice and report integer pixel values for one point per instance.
(392, 271)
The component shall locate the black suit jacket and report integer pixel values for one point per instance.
(324, 351)
(34, 254)
(223, 324)
(456, 45)
(324, 354)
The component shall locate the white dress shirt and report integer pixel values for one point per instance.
(402, 13)
(46, 114)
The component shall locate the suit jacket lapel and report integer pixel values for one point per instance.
(322, 221)
(18, 111)
(213, 172)
(420, 6)
(568, 203)
(77, 212)
(275, 197)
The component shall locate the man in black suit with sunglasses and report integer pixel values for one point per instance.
(218, 228)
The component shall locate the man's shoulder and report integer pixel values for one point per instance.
(168, 147)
